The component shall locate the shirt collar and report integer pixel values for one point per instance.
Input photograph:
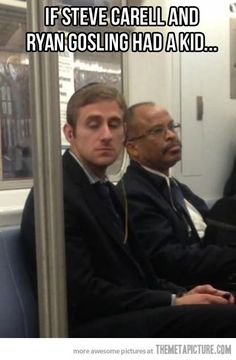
(167, 178)
(88, 172)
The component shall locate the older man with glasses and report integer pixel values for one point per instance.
(168, 216)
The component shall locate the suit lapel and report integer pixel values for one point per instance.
(94, 204)
(160, 183)
(89, 195)
(102, 214)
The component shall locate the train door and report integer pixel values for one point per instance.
(207, 111)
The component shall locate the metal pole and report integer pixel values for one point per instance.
(47, 168)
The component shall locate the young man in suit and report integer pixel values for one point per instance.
(112, 289)
(168, 216)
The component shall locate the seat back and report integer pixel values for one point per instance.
(18, 309)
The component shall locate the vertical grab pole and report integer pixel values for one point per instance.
(47, 168)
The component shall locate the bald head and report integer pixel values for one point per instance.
(138, 116)
(151, 137)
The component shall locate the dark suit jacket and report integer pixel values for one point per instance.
(230, 186)
(174, 254)
(105, 277)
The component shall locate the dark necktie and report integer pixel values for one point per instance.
(179, 205)
(104, 193)
(177, 196)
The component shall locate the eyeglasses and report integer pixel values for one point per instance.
(158, 131)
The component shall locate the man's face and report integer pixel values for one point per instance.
(98, 137)
(160, 148)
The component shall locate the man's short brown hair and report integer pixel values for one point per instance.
(90, 94)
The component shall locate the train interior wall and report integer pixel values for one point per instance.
(175, 81)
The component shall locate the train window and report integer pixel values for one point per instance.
(75, 70)
(108, 3)
(15, 134)
(80, 68)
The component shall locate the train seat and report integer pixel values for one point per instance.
(18, 309)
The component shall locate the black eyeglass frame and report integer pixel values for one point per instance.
(157, 130)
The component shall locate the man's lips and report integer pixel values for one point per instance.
(105, 149)
(175, 147)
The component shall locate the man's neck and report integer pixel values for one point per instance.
(93, 174)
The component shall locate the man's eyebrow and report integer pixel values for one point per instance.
(161, 124)
(115, 117)
(93, 117)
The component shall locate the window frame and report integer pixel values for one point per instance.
(17, 183)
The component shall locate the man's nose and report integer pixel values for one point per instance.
(106, 132)
(171, 134)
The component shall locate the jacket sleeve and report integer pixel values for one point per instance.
(171, 258)
(88, 294)
(28, 238)
(93, 296)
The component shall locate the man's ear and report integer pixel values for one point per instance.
(125, 131)
(132, 150)
(68, 132)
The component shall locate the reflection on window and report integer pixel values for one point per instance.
(15, 119)
(108, 3)
(105, 68)
(15, 156)
(79, 69)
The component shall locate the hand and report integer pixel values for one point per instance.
(208, 289)
(206, 299)
(205, 294)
